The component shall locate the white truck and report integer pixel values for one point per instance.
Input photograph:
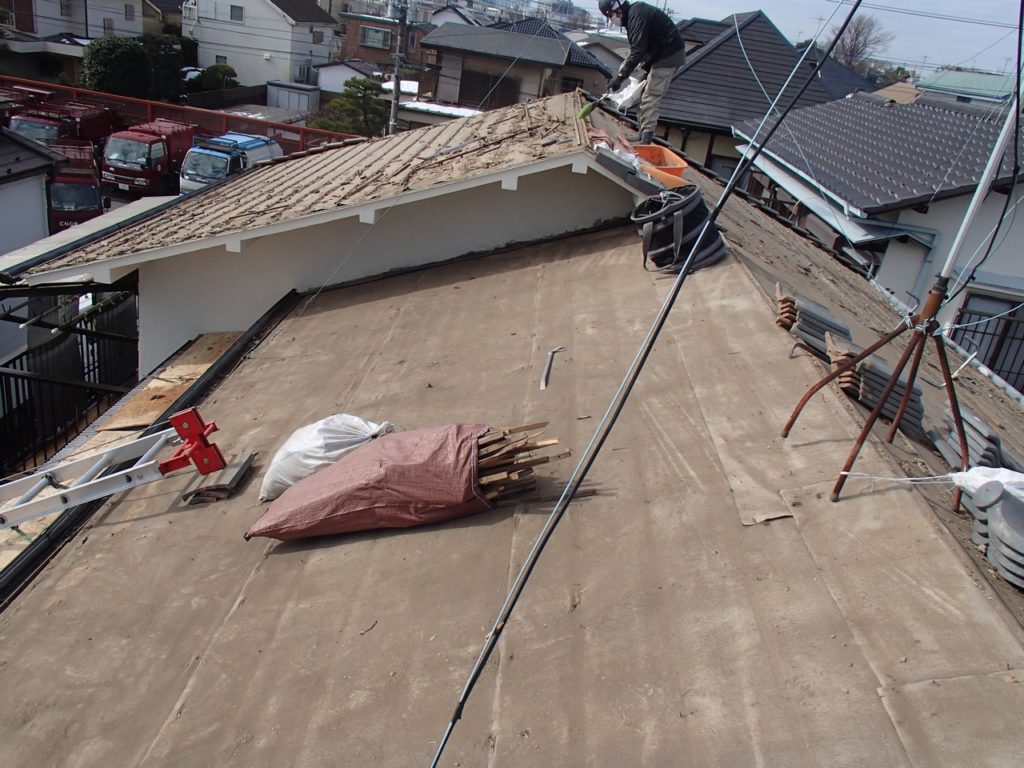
(213, 159)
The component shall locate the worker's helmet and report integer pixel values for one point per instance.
(607, 7)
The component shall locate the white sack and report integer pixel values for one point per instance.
(628, 95)
(975, 477)
(316, 446)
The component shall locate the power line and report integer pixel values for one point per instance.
(932, 15)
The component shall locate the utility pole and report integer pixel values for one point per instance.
(397, 80)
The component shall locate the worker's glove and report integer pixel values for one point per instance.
(614, 84)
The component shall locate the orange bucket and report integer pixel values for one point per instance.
(660, 163)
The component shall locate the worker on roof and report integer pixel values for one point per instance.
(656, 46)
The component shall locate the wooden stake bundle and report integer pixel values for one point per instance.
(506, 458)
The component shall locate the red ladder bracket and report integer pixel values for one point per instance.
(195, 446)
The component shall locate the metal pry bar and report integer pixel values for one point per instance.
(547, 367)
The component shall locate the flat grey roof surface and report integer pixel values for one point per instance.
(661, 626)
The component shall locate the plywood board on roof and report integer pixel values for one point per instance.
(169, 384)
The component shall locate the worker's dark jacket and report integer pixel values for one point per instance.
(652, 37)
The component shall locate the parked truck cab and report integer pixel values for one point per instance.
(146, 158)
(212, 159)
(56, 122)
(75, 194)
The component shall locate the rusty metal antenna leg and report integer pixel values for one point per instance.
(958, 420)
(908, 391)
(849, 364)
(917, 342)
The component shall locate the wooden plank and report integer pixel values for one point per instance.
(498, 450)
(146, 406)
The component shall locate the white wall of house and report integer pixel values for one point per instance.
(904, 263)
(122, 18)
(23, 207)
(211, 290)
(334, 76)
(256, 39)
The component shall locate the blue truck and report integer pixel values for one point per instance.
(215, 158)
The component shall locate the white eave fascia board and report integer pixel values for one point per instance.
(580, 161)
(808, 179)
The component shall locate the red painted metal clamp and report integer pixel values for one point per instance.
(195, 446)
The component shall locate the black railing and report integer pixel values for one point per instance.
(999, 342)
(51, 392)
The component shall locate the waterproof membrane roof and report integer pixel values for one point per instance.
(332, 178)
(667, 621)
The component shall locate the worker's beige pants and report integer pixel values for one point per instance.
(658, 81)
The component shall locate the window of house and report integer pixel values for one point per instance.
(188, 10)
(995, 330)
(108, 26)
(65, 8)
(237, 13)
(570, 84)
(373, 37)
(220, 59)
(411, 42)
(318, 36)
(341, 29)
(129, 12)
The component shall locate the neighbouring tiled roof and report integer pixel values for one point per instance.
(499, 43)
(335, 177)
(21, 157)
(837, 80)
(540, 28)
(701, 30)
(473, 17)
(716, 89)
(988, 85)
(879, 156)
(304, 11)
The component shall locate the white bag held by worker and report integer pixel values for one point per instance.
(628, 95)
(316, 446)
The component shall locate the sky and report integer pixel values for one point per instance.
(920, 43)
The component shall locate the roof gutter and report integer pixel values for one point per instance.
(848, 210)
(56, 253)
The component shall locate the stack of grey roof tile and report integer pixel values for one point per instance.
(867, 380)
(808, 321)
(1006, 540)
(983, 450)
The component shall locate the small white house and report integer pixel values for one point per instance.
(261, 39)
(332, 77)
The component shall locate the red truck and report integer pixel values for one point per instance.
(17, 97)
(55, 122)
(146, 158)
(75, 194)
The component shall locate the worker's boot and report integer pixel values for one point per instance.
(644, 137)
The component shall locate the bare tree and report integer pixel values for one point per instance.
(863, 38)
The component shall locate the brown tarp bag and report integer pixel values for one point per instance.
(399, 480)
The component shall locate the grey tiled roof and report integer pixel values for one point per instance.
(499, 43)
(879, 156)
(21, 157)
(304, 10)
(701, 30)
(540, 28)
(716, 89)
(837, 80)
